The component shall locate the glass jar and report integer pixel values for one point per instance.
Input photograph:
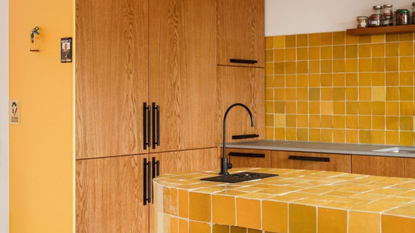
(362, 21)
(387, 21)
(375, 20)
(377, 9)
(387, 10)
(402, 17)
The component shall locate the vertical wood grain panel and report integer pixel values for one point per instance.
(111, 76)
(109, 194)
(246, 86)
(183, 72)
(383, 166)
(241, 31)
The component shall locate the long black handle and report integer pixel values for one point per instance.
(156, 141)
(248, 155)
(146, 126)
(154, 169)
(243, 61)
(146, 182)
(244, 136)
(306, 158)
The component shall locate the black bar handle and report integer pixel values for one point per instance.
(156, 141)
(248, 155)
(146, 182)
(243, 61)
(155, 163)
(158, 125)
(149, 180)
(145, 125)
(307, 158)
(149, 126)
(245, 136)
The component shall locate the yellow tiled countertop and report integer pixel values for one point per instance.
(297, 201)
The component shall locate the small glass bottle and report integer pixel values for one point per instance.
(377, 9)
(387, 21)
(387, 10)
(362, 21)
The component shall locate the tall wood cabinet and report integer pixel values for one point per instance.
(148, 91)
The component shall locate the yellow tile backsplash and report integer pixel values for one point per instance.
(332, 87)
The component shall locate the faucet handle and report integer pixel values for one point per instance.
(230, 166)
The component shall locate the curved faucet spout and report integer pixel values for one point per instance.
(224, 163)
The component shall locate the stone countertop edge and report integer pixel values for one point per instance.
(320, 147)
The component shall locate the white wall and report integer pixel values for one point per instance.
(4, 126)
(287, 17)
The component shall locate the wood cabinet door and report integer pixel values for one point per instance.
(109, 195)
(183, 72)
(383, 166)
(248, 158)
(241, 32)
(180, 161)
(246, 86)
(111, 76)
(311, 161)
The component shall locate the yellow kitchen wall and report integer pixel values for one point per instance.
(332, 87)
(41, 148)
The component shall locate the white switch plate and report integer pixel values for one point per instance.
(14, 112)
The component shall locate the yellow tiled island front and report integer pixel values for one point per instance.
(297, 201)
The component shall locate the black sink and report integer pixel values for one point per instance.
(239, 177)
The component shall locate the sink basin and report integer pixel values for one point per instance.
(403, 150)
(240, 177)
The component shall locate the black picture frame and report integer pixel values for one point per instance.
(66, 50)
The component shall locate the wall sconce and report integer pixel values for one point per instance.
(35, 40)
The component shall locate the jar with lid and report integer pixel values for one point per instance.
(377, 9)
(387, 21)
(402, 17)
(413, 13)
(375, 20)
(387, 10)
(362, 21)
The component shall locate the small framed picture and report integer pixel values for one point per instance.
(14, 112)
(66, 50)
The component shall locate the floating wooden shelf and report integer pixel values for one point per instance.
(380, 30)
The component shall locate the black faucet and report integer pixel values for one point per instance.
(224, 165)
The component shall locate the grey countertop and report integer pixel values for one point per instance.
(320, 147)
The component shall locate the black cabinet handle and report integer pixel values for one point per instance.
(146, 125)
(156, 141)
(247, 155)
(245, 136)
(154, 174)
(156, 171)
(147, 182)
(306, 158)
(243, 61)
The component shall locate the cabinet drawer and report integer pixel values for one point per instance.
(311, 161)
(383, 166)
(249, 158)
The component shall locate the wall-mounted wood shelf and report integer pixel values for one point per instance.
(380, 30)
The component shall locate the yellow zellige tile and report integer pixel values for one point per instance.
(199, 227)
(332, 220)
(223, 210)
(302, 219)
(248, 213)
(199, 207)
(274, 216)
(395, 224)
(362, 222)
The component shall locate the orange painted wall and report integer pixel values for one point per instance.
(41, 147)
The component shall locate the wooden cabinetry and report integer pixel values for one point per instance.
(248, 158)
(383, 166)
(183, 72)
(111, 77)
(246, 86)
(109, 195)
(241, 32)
(311, 161)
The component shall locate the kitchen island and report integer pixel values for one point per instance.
(296, 201)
